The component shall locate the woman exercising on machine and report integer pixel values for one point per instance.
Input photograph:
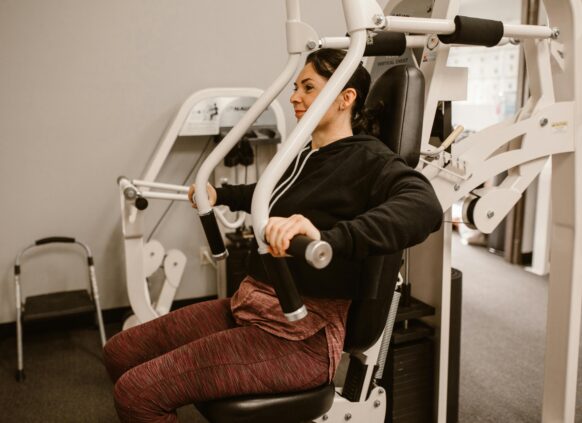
(349, 190)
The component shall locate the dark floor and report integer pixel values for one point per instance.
(65, 379)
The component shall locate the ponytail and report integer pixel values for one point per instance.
(365, 121)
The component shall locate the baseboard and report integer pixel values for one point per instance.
(110, 316)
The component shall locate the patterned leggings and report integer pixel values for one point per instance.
(198, 353)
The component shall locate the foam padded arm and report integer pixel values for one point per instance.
(386, 43)
(474, 31)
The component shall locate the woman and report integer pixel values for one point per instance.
(349, 190)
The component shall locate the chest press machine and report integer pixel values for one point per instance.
(545, 127)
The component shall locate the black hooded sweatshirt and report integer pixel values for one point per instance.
(365, 201)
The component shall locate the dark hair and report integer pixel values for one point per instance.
(325, 61)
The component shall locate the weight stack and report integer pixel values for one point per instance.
(409, 376)
(455, 346)
(412, 378)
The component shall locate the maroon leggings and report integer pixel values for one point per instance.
(199, 353)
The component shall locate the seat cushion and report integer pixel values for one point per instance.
(290, 407)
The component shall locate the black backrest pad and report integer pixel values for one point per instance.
(398, 96)
(367, 316)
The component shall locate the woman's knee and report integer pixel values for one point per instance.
(128, 387)
(133, 402)
(124, 397)
(112, 357)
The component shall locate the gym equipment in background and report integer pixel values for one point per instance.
(207, 113)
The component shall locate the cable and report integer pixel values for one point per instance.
(256, 152)
(194, 167)
(446, 143)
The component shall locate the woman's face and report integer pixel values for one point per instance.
(308, 85)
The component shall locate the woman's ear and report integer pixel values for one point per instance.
(348, 97)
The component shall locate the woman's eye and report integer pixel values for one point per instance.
(308, 88)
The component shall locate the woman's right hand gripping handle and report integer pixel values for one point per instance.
(317, 253)
(297, 236)
(209, 224)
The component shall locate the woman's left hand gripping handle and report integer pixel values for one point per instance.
(209, 224)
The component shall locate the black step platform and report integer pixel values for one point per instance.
(58, 304)
(414, 310)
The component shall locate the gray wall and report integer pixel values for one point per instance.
(86, 91)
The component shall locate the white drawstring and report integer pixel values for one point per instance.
(291, 175)
(294, 178)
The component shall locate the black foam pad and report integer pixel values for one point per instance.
(367, 317)
(474, 31)
(386, 44)
(397, 98)
(290, 407)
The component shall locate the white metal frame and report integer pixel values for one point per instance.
(546, 127)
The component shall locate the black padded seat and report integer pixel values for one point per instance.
(292, 407)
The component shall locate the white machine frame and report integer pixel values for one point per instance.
(142, 260)
(521, 146)
(516, 145)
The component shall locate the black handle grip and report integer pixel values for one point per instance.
(141, 203)
(280, 276)
(298, 245)
(213, 236)
(316, 253)
(52, 239)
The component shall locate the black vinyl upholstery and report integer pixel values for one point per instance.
(367, 317)
(398, 100)
(292, 407)
(398, 97)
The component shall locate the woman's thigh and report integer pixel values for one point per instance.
(239, 361)
(144, 342)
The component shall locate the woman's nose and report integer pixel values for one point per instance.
(294, 98)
